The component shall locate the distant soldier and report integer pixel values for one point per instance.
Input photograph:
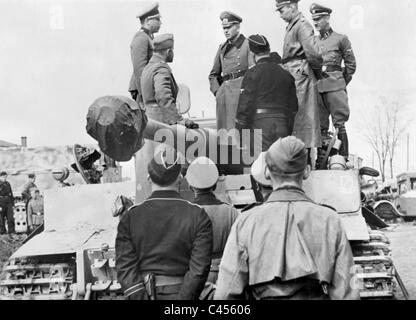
(6, 205)
(35, 209)
(202, 177)
(289, 247)
(300, 57)
(142, 47)
(26, 193)
(332, 85)
(268, 100)
(230, 65)
(164, 244)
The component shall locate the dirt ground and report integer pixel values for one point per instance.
(7, 247)
(403, 245)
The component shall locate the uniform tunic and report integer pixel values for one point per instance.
(332, 85)
(6, 207)
(283, 249)
(35, 211)
(268, 87)
(231, 58)
(300, 56)
(222, 216)
(26, 190)
(141, 50)
(167, 236)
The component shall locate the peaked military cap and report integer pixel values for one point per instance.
(318, 11)
(258, 44)
(258, 170)
(281, 3)
(229, 18)
(164, 41)
(165, 167)
(202, 173)
(149, 10)
(287, 156)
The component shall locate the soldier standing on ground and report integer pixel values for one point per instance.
(141, 47)
(6, 205)
(230, 64)
(332, 85)
(268, 100)
(26, 193)
(289, 247)
(301, 56)
(202, 177)
(35, 209)
(165, 238)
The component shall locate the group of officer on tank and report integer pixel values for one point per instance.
(287, 247)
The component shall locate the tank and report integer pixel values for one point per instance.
(74, 256)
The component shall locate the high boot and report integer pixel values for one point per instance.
(342, 135)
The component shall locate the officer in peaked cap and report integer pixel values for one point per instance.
(289, 247)
(202, 177)
(141, 47)
(332, 84)
(301, 51)
(230, 64)
(268, 100)
(174, 237)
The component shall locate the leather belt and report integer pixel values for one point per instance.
(269, 111)
(331, 68)
(167, 280)
(301, 57)
(234, 75)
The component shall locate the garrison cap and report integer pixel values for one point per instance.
(3, 173)
(165, 167)
(162, 42)
(258, 170)
(258, 44)
(229, 18)
(318, 11)
(281, 3)
(149, 10)
(287, 156)
(202, 173)
(31, 175)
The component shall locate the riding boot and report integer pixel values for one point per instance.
(342, 135)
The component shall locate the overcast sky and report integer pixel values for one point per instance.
(57, 57)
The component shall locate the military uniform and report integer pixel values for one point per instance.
(289, 247)
(267, 101)
(334, 79)
(225, 78)
(141, 49)
(6, 208)
(300, 57)
(167, 237)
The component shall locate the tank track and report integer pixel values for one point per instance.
(374, 267)
(33, 280)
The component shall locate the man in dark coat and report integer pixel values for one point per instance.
(268, 100)
(141, 47)
(6, 205)
(332, 85)
(165, 237)
(230, 64)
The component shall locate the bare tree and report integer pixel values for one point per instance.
(384, 131)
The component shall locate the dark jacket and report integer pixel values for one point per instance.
(26, 190)
(267, 86)
(141, 49)
(167, 236)
(6, 193)
(231, 57)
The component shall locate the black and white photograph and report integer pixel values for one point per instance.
(214, 151)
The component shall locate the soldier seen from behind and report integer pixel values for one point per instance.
(164, 244)
(289, 247)
(332, 84)
(202, 176)
(268, 100)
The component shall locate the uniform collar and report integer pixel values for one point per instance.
(165, 194)
(288, 194)
(294, 20)
(147, 31)
(238, 42)
(326, 34)
(156, 59)
(264, 60)
(207, 199)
